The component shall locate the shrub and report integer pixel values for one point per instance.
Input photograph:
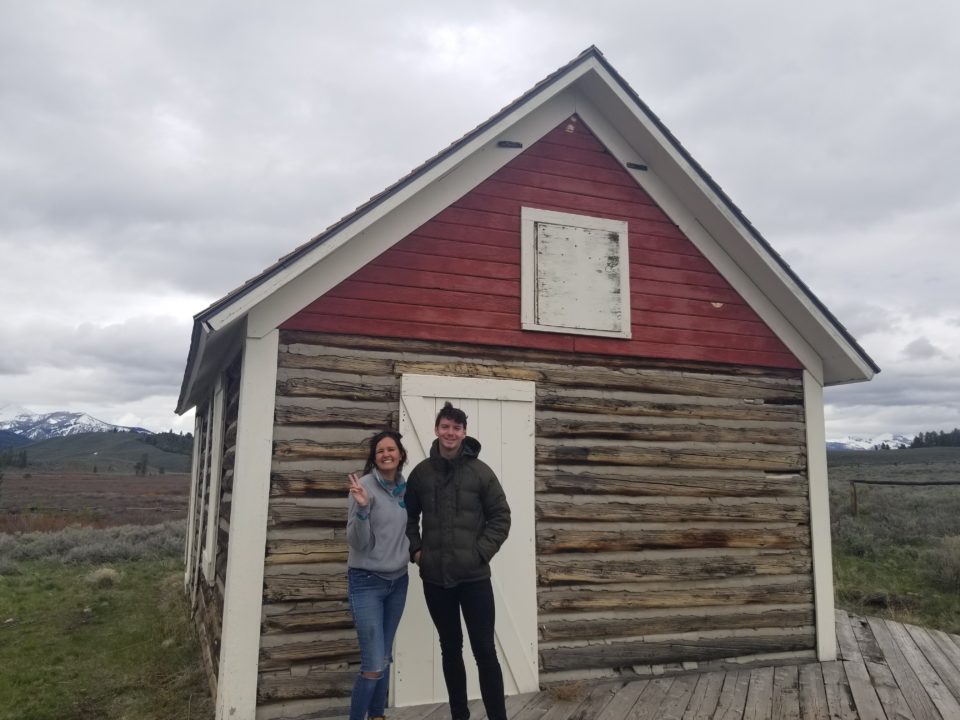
(103, 577)
(941, 565)
(8, 567)
(97, 545)
(855, 537)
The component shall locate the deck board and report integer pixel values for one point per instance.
(786, 693)
(813, 696)
(885, 671)
(913, 692)
(705, 696)
(946, 703)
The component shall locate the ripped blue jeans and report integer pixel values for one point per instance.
(377, 605)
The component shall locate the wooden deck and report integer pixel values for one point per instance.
(885, 671)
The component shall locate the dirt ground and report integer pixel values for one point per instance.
(52, 501)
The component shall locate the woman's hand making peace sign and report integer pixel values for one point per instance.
(358, 491)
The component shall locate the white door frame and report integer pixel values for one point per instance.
(513, 567)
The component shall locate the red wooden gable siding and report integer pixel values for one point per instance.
(457, 277)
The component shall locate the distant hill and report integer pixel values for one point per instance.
(40, 426)
(12, 440)
(109, 452)
(892, 440)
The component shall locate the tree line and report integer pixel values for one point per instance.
(937, 439)
(13, 458)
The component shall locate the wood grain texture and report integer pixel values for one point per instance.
(628, 652)
(627, 625)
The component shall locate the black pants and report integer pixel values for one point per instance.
(475, 599)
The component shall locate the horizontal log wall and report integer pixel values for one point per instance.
(671, 502)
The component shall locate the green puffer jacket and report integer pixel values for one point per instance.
(465, 516)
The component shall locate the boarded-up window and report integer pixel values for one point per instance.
(575, 274)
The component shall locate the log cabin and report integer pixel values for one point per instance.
(645, 374)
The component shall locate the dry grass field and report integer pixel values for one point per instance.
(49, 501)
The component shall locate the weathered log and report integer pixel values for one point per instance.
(308, 683)
(667, 482)
(605, 427)
(707, 594)
(391, 347)
(578, 569)
(634, 625)
(601, 374)
(314, 581)
(308, 483)
(209, 652)
(726, 456)
(624, 511)
(306, 617)
(572, 539)
(323, 649)
(304, 551)
(301, 449)
(627, 653)
(626, 405)
(336, 416)
(308, 510)
(355, 364)
(333, 388)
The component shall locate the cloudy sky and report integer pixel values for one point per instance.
(155, 155)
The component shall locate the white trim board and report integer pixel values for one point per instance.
(821, 548)
(192, 506)
(243, 591)
(208, 561)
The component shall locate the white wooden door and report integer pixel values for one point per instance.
(500, 414)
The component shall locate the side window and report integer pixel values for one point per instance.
(575, 274)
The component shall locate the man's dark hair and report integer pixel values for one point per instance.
(452, 414)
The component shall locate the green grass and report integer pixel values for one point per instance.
(74, 649)
(896, 557)
(895, 586)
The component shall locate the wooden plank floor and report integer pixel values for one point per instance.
(884, 671)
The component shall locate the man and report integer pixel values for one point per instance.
(465, 521)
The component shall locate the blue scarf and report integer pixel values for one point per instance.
(395, 490)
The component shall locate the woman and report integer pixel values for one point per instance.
(377, 567)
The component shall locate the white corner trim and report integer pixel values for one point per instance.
(192, 508)
(243, 593)
(209, 557)
(821, 549)
(202, 487)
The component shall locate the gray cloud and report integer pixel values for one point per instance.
(922, 349)
(152, 157)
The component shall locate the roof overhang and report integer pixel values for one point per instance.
(590, 87)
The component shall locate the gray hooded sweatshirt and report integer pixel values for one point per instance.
(376, 534)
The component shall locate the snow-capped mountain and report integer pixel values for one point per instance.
(893, 440)
(40, 426)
